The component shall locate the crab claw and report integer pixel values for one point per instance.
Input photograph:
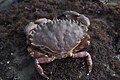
(33, 25)
(85, 20)
(75, 15)
(29, 27)
(42, 20)
(69, 15)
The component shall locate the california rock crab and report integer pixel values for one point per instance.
(59, 38)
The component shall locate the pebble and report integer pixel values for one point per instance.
(8, 62)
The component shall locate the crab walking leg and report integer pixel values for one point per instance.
(85, 54)
(40, 58)
(40, 70)
(34, 53)
(44, 59)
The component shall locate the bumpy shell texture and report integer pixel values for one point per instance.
(60, 36)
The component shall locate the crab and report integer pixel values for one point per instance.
(61, 37)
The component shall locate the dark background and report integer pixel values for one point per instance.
(17, 64)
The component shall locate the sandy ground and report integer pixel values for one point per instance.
(17, 64)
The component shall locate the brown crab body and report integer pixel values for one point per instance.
(59, 38)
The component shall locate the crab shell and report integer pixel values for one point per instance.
(58, 36)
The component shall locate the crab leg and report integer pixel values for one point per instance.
(40, 58)
(40, 70)
(43, 59)
(84, 54)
